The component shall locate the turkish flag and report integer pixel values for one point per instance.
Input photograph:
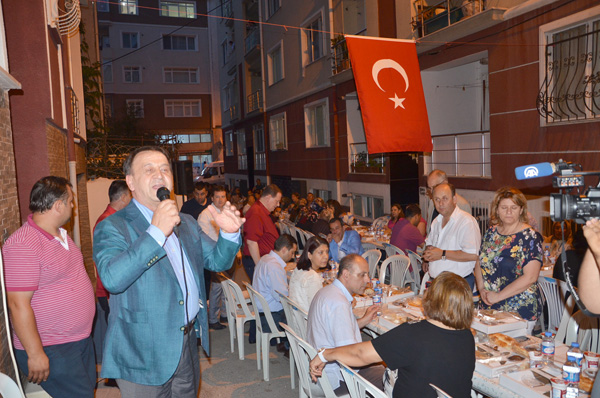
(390, 93)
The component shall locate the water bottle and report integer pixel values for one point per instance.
(377, 296)
(548, 348)
(575, 354)
(571, 374)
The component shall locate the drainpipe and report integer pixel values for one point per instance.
(68, 115)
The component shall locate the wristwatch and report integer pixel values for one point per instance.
(443, 254)
(321, 356)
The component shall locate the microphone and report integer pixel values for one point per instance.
(163, 193)
(535, 170)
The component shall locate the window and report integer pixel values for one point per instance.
(103, 6)
(229, 143)
(277, 132)
(367, 206)
(104, 41)
(316, 123)
(183, 108)
(191, 138)
(312, 40)
(275, 64)
(178, 9)
(130, 40)
(107, 72)
(132, 74)
(569, 91)
(135, 107)
(241, 150)
(323, 194)
(181, 75)
(272, 7)
(179, 42)
(465, 155)
(260, 160)
(128, 7)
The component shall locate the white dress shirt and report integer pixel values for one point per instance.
(331, 323)
(460, 233)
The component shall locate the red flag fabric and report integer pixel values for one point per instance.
(390, 93)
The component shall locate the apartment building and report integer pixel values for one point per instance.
(290, 111)
(156, 59)
(508, 83)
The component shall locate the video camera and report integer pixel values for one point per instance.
(569, 203)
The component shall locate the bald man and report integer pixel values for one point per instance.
(435, 178)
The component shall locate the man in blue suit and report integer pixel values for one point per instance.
(343, 242)
(156, 281)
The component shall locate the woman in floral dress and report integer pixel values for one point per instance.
(510, 258)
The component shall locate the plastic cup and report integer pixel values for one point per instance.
(559, 387)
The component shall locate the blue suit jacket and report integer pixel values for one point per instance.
(351, 244)
(144, 336)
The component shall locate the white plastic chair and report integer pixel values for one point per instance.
(583, 330)
(303, 353)
(286, 303)
(263, 338)
(238, 313)
(358, 386)
(9, 388)
(424, 281)
(391, 250)
(554, 294)
(564, 321)
(297, 318)
(416, 265)
(372, 256)
(398, 269)
(440, 393)
(381, 222)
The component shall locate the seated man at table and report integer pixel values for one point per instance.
(342, 243)
(405, 234)
(331, 322)
(270, 277)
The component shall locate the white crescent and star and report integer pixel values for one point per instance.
(390, 64)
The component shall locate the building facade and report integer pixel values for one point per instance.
(290, 112)
(156, 60)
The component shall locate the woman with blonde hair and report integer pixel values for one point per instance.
(438, 350)
(510, 258)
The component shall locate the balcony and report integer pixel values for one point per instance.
(74, 111)
(339, 49)
(252, 41)
(362, 162)
(441, 21)
(254, 101)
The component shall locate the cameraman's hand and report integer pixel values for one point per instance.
(591, 230)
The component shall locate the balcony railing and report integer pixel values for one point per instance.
(569, 92)
(362, 162)
(339, 49)
(252, 40)
(432, 17)
(254, 101)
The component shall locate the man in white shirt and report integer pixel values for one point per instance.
(454, 240)
(206, 220)
(331, 322)
(435, 178)
(270, 277)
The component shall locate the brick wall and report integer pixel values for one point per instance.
(56, 139)
(10, 218)
(84, 217)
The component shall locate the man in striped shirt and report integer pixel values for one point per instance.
(50, 296)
